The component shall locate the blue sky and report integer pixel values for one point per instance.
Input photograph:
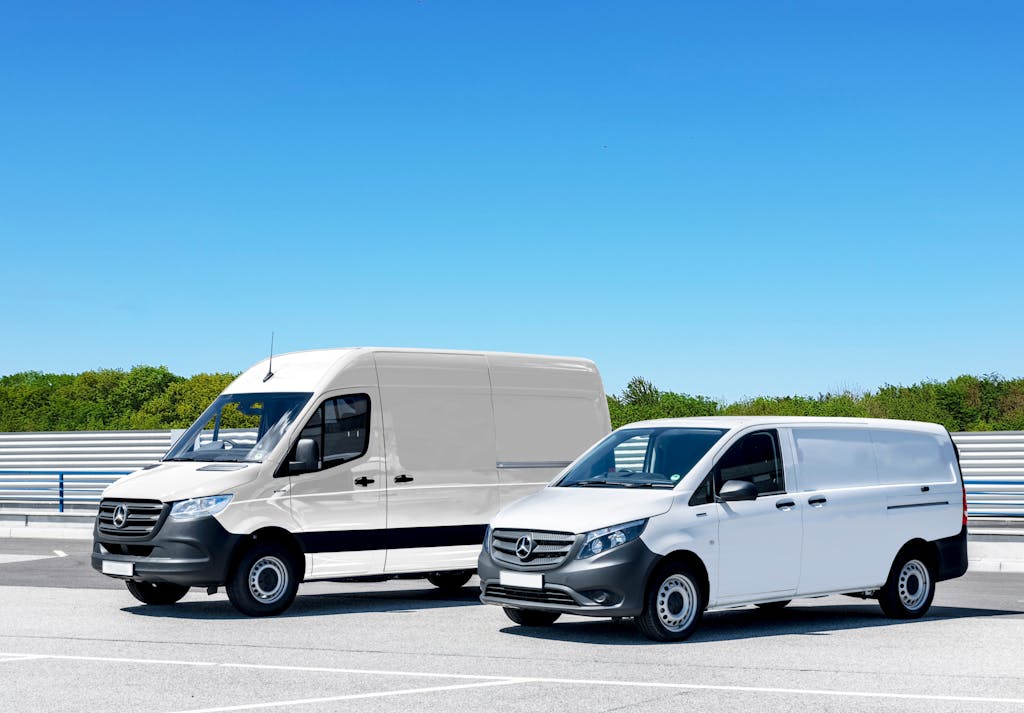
(730, 199)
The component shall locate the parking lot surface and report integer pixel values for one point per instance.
(73, 640)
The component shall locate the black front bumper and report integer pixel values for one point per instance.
(195, 553)
(571, 588)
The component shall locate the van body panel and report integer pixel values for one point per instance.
(856, 492)
(543, 408)
(580, 510)
(416, 499)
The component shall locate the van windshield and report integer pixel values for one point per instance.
(642, 458)
(239, 428)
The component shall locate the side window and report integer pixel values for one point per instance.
(754, 458)
(704, 494)
(340, 428)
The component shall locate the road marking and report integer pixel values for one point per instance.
(60, 553)
(5, 658)
(11, 559)
(535, 679)
(355, 696)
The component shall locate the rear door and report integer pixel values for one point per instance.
(442, 479)
(759, 540)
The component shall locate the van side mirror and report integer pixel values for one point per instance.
(307, 457)
(736, 490)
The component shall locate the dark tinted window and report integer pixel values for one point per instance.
(754, 458)
(340, 428)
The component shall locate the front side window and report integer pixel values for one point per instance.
(340, 428)
(642, 457)
(754, 458)
(239, 428)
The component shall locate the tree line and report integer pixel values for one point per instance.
(151, 397)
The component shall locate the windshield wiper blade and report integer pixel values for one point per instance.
(592, 482)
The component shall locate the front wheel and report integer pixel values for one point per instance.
(531, 617)
(265, 581)
(674, 604)
(909, 591)
(156, 592)
(449, 581)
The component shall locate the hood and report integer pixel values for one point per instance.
(170, 481)
(582, 509)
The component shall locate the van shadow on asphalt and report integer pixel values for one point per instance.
(305, 605)
(749, 623)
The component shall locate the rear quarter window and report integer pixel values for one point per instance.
(834, 458)
(913, 457)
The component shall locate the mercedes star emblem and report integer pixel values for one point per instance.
(120, 516)
(524, 547)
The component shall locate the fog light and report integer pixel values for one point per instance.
(602, 597)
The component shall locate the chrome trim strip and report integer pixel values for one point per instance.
(917, 505)
(522, 465)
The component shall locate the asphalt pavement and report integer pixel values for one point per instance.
(73, 640)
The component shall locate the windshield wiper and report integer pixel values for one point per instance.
(591, 482)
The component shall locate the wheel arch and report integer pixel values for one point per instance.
(689, 559)
(270, 534)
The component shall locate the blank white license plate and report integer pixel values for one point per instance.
(522, 579)
(121, 569)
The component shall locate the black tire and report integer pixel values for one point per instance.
(156, 592)
(532, 617)
(449, 581)
(909, 591)
(774, 606)
(673, 605)
(265, 580)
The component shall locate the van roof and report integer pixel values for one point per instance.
(304, 370)
(737, 422)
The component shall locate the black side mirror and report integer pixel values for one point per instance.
(307, 457)
(736, 490)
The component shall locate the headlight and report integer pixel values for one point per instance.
(199, 507)
(487, 540)
(608, 538)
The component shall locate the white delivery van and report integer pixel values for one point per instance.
(346, 463)
(663, 519)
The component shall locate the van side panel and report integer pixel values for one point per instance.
(546, 413)
(439, 441)
(846, 544)
(922, 485)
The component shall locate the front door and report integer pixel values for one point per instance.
(759, 540)
(339, 506)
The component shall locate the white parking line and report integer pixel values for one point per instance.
(353, 697)
(60, 553)
(5, 658)
(502, 680)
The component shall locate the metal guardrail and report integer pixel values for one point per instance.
(71, 469)
(33, 488)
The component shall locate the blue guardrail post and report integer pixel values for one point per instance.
(60, 481)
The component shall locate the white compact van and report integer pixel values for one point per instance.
(664, 519)
(346, 463)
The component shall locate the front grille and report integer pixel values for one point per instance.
(549, 548)
(520, 594)
(143, 516)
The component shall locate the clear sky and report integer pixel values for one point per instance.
(730, 199)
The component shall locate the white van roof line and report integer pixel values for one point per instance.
(735, 422)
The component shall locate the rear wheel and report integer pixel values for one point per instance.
(156, 592)
(265, 581)
(674, 604)
(909, 591)
(532, 617)
(449, 581)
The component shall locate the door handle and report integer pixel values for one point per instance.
(403, 478)
(364, 481)
(817, 502)
(785, 504)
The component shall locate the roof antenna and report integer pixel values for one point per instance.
(270, 364)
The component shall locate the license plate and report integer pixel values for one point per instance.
(522, 579)
(121, 569)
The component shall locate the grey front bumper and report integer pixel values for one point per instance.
(574, 586)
